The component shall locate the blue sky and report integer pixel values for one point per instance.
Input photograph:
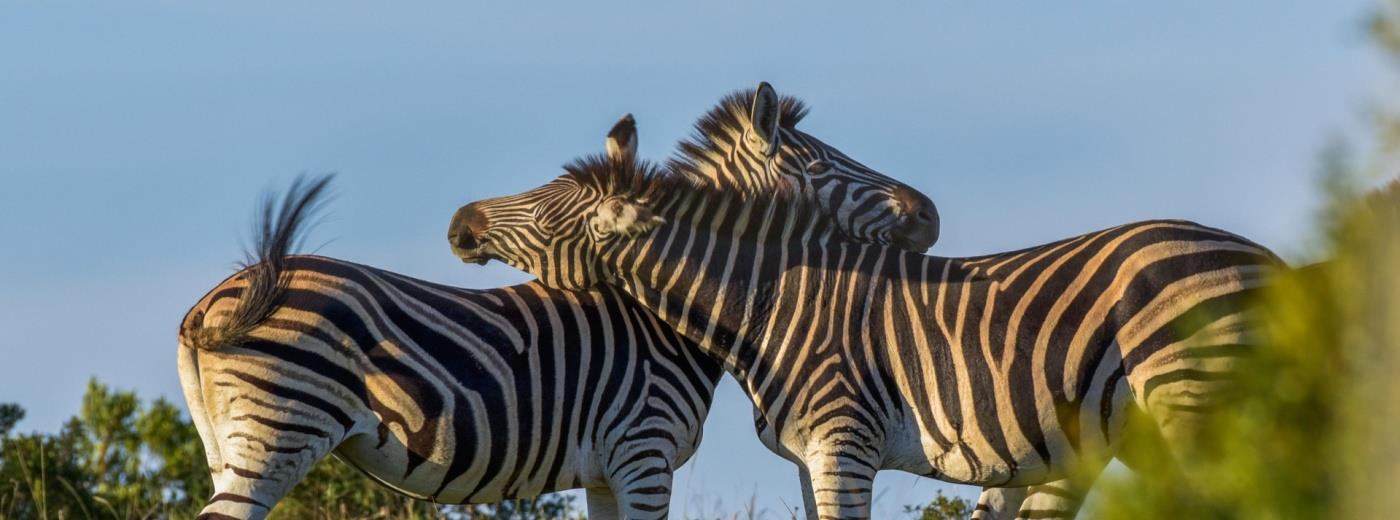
(136, 136)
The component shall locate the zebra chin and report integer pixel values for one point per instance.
(471, 257)
(467, 249)
(917, 240)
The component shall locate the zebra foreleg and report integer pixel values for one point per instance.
(999, 503)
(647, 495)
(641, 486)
(809, 498)
(841, 482)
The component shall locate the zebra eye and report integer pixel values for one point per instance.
(818, 167)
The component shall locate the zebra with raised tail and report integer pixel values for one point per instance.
(1005, 370)
(441, 393)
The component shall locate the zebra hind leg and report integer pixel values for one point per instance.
(269, 436)
(259, 469)
(1182, 384)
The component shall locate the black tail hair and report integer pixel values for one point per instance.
(278, 227)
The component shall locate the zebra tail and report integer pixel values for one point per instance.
(278, 225)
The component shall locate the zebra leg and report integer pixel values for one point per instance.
(841, 483)
(260, 467)
(257, 474)
(647, 495)
(602, 504)
(640, 479)
(188, 363)
(269, 435)
(1181, 384)
(809, 498)
(1060, 499)
(999, 503)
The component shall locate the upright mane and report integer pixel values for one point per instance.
(730, 115)
(660, 187)
(629, 176)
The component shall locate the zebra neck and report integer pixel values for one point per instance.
(720, 271)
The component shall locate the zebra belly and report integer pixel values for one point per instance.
(988, 447)
(471, 483)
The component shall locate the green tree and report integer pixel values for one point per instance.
(942, 507)
(10, 415)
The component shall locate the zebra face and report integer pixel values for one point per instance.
(557, 232)
(540, 229)
(865, 204)
(753, 145)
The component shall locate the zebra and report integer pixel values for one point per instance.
(1005, 370)
(441, 393)
(750, 144)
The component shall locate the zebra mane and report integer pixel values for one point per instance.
(660, 187)
(626, 176)
(732, 113)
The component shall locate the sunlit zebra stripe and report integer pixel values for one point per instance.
(1002, 370)
(442, 393)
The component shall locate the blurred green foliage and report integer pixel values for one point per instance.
(1312, 430)
(1385, 32)
(1309, 431)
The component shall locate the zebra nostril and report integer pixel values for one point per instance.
(915, 204)
(464, 240)
(466, 226)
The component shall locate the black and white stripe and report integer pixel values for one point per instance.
(750, 144)
(457, 395)
(1003, 370)
(445, 394)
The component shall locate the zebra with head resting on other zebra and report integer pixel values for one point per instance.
(457, 395)
(1003, 370)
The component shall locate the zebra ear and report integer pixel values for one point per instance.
(763, 120)
(622, 139)
(623, 217)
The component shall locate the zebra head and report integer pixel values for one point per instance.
(560, 232)
(750, 143)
